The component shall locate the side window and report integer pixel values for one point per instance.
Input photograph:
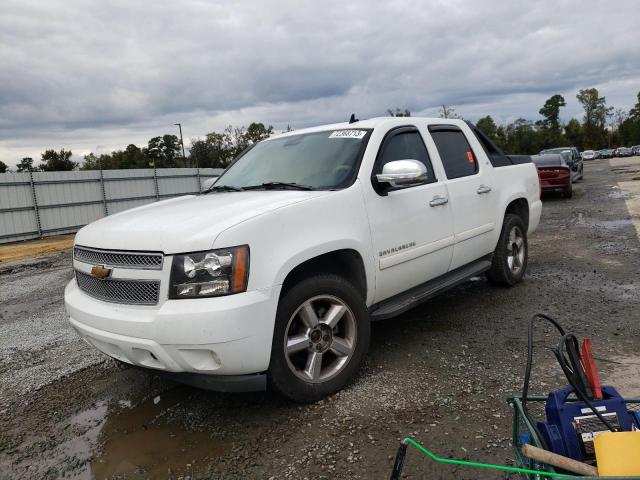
(456, 154)
(403, 146)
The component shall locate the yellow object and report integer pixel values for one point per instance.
(618, 454)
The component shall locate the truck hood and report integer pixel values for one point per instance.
(184, 224)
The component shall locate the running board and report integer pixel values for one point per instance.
(406, 300)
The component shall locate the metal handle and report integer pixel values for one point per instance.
(483, 189)
(438, 200)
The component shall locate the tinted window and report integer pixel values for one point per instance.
(404, 146)
(456, 154)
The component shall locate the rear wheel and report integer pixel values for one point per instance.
(320, 339)
(511, 254)
(568, 191)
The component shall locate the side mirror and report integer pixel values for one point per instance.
(403, 173)
(206, 184)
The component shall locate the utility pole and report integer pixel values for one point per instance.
(181, 141)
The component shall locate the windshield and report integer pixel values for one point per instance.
(320, 160)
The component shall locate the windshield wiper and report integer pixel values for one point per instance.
(276, 185)
(223, 188)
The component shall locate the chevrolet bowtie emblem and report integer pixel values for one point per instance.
(100, 271)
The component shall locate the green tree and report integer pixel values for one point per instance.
(488, 127)
(573, 134)
(257, 132)
(130, 157)
(214, 151)
(26, 164)
(217, 149)
(398, 112)
(551, 112)
(629, 131)
(57, 161)
(634, 113)
(595, 117)
(522, 137)
(163, 152)
(3, 167)
(501, 138)
(91, 162)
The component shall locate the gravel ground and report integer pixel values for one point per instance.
(37, 345)
(440, 373)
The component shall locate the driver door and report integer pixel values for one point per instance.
(412, 226)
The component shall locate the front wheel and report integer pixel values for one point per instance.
(320, 339)
(511, 254)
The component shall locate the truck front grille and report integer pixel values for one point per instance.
(131, 292)
(118, 258)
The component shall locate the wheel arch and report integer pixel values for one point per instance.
(519, 206)
(346, 262)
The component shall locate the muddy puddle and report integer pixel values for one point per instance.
(140, 441)
(607, 224)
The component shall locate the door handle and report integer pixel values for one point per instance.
(438, 200)
(483, 189)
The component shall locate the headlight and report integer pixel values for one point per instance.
(210, 274)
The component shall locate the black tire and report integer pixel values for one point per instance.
(502, 272)
(568, 191)
(315, 289)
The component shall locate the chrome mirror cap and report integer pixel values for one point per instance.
(403, 173)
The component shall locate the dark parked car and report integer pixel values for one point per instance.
(573, 160)
(606, 153)
(554, 173)
(636, 149)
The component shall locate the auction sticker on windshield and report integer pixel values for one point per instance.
(348, 134)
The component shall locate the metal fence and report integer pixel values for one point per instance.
(36, 204)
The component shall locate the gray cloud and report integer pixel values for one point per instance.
(94, 76)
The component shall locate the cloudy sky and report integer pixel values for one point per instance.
(97, 75)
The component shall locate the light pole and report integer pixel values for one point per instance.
(181, 141)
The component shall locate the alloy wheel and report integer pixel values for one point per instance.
(320, 338)
(516, 250)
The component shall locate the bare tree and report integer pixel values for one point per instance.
(617, 118)
(448, 112)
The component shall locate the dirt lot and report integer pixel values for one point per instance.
(12, 252)
(440, 373)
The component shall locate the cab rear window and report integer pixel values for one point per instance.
(455, 152)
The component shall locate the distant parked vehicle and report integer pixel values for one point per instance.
(554, 173)
(589, 155)
(636, 149)
(572, 158)
(608, 153)
(624, 152)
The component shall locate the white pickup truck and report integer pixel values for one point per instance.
(272, 277)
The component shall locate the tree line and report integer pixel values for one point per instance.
(602, 126)
(215, 150)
